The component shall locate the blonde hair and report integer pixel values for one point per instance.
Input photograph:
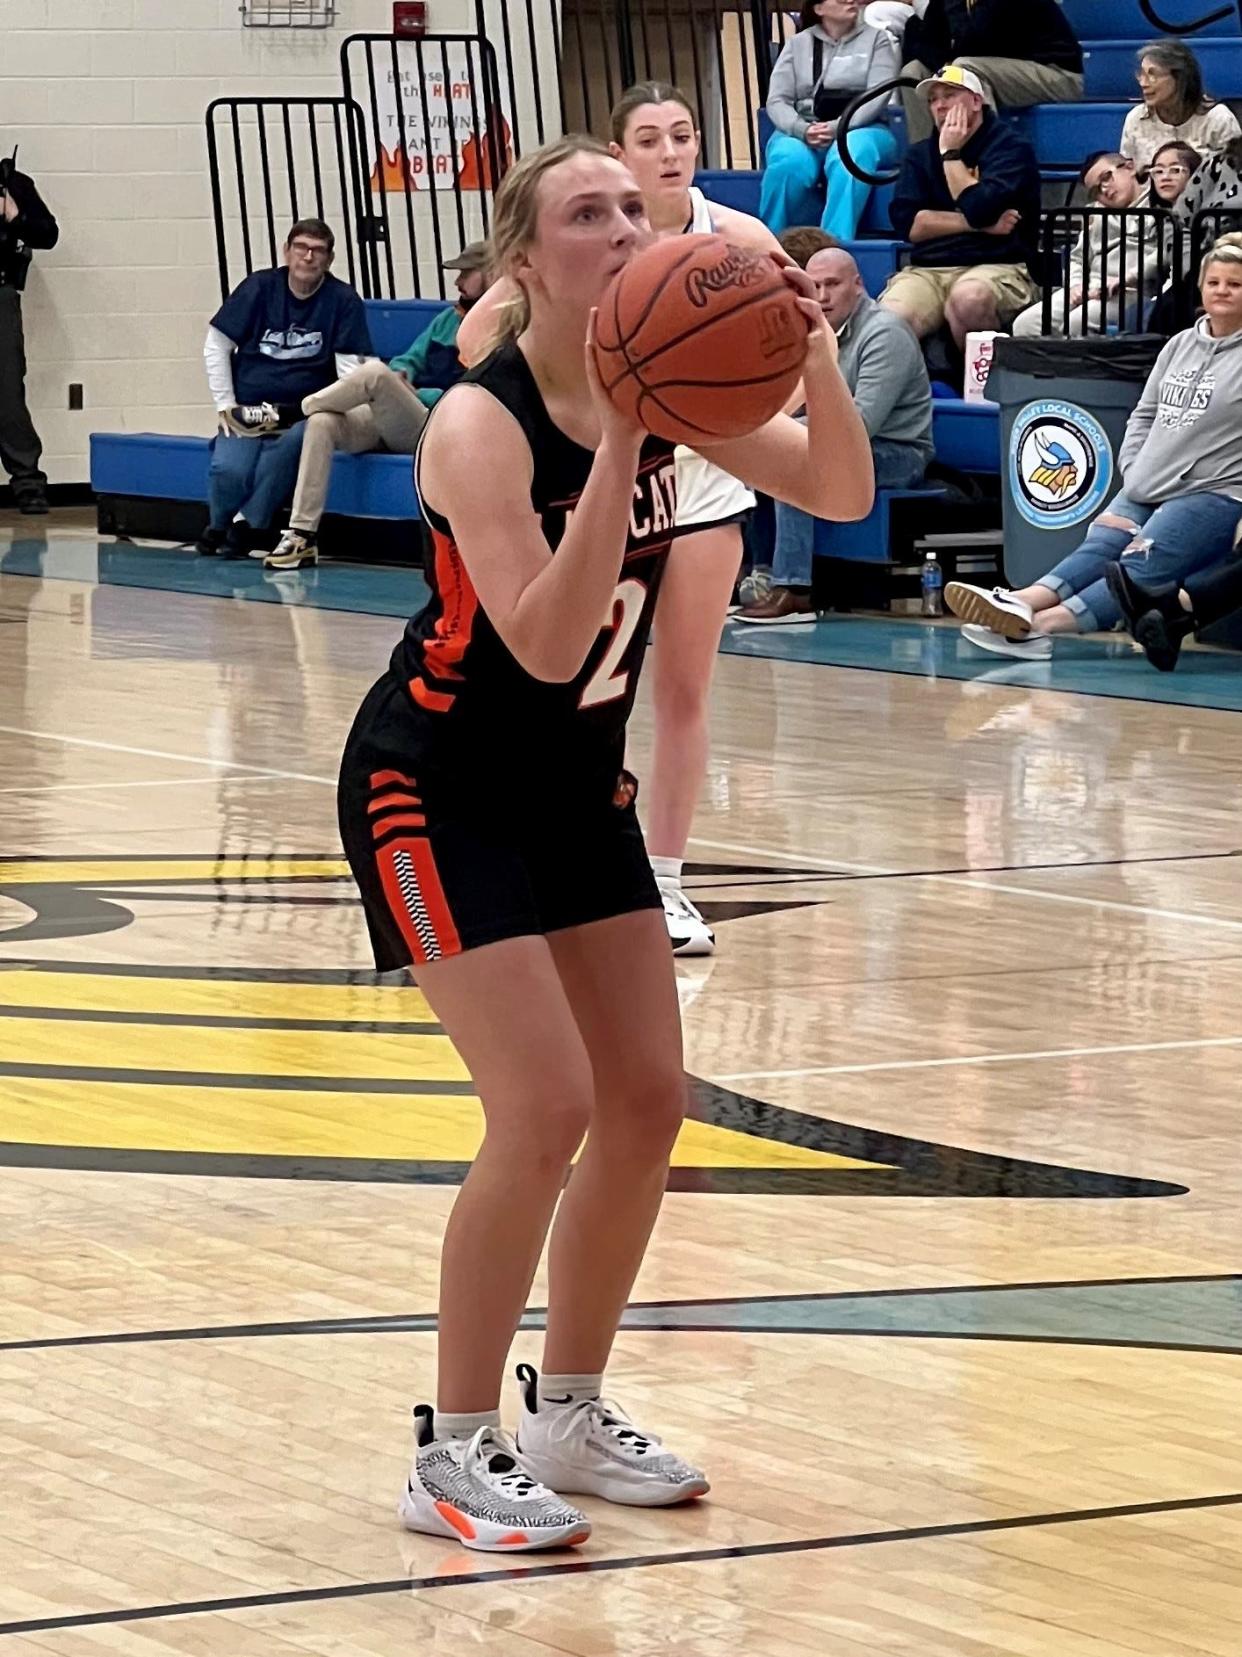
(1225, 250)
(516, 217)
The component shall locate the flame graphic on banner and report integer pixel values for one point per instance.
(398, 171)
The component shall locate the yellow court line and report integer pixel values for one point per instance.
(127, 872)
(254, 1121)
(214, 997)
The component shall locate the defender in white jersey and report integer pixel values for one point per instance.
(655, 134)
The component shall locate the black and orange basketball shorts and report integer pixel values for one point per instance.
(445, 866)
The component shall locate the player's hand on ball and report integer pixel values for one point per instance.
(615, 427)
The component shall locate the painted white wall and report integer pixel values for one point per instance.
(106, 100)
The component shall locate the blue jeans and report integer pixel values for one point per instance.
(253, 475)
(795, 175)
(1174, 540)
(897, 466)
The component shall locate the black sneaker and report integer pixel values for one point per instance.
(1162, 636)
(238, 540)
(32, 502)
(210, 541)
(1134, 598)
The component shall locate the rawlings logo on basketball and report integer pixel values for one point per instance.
(735, 270)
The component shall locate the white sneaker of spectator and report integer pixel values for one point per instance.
(251, 419)
(994, 607)
(1036, 647)
(295, 548)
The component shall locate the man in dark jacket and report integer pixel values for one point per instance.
(1024, 52)
(968, 200)
(25, 223)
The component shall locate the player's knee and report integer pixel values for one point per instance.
(646, 1116)
(550, 1129)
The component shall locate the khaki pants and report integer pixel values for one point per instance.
(1013, 83)
(921, 292)
(372, 408)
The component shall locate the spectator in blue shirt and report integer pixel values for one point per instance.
(278, 337)
(968, 199)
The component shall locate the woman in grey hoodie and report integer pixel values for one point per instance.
(833, 57)
(1181, 499)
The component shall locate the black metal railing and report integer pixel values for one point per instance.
(275, 160)
(1104, 269)
(437, 143)
(1184, 28)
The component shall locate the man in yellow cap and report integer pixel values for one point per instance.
(968, 199)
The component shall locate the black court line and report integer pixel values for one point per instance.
(418, 1322)
(366, 977)
(581, 1567)
(222, 1078)
(214, 1021)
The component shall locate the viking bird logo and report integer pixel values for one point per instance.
(1057, 471)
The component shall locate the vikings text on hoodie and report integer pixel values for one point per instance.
(1185, 435)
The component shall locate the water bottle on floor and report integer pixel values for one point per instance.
(932, 581)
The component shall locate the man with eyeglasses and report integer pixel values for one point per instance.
(1116, 259)
(279, 336)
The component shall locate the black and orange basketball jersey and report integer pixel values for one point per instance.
(459, 674)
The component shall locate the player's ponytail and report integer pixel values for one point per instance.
(516, 220)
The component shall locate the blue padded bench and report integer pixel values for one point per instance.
(868, 540)
(1124, 20)
(1110, 65)
(740, 189)
(157, 467)
(396, 323)
(966, 435)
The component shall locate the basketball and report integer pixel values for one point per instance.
(700, 340)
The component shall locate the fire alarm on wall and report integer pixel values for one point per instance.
(409, 18)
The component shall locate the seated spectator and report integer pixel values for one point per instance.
(1174, 106)
(1215, 184)
(1181, 499)
(884, 368)
(1160, 616)
(1114, 261)
(1024, 52)
(280, 335)
(377, 406)
(893, 15)
(804, 241)
(969, 201)
(831, 59)
(1171, 170)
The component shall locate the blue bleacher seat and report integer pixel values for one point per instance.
(158, 467)
(1110, 67)
(966, 435)
(396, 323)
(1124, 19)
(1063, 134)
(869, 540)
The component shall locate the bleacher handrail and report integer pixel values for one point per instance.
(1161, 268)
(1157, 22)
(866, 96)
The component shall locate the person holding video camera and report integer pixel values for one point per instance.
(25, 223)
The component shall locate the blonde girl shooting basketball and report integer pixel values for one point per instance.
(491, 827)
(655, 134)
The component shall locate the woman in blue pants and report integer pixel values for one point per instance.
(833, 57)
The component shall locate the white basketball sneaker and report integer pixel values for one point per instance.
(475, 1491)
(688, 932)
(591, 1448)
(993, 607)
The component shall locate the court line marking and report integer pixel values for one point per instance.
(163, 753)
(977, 1058)
(813, 861)
(421, 1322)
(579, 1567)
(84, 787)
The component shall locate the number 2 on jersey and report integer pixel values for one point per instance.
(609, 681)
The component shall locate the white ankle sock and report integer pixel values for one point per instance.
(464, 1426)
(667, 869)
(568, 1389)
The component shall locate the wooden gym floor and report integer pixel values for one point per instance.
(946, 1295)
